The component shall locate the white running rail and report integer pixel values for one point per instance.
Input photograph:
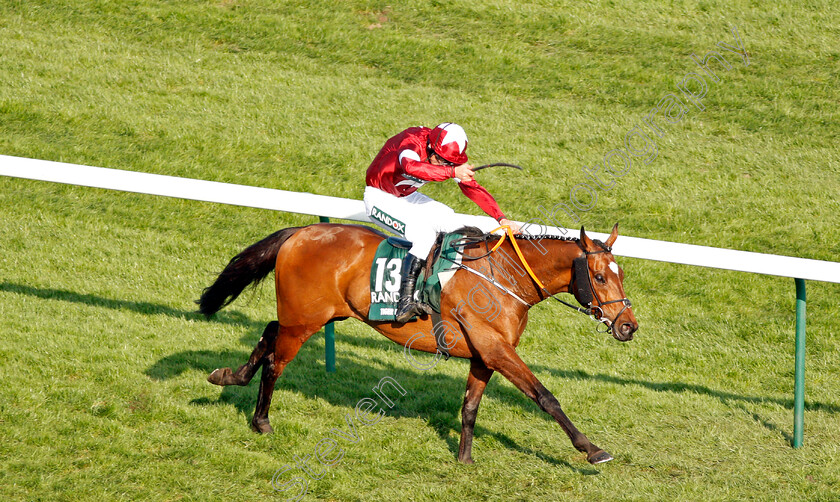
(354, 210)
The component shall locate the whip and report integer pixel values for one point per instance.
(479, 168)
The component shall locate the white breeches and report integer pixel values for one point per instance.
(417, 217)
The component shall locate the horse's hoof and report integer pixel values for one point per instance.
(218, 376)
(599, 457)
(261, 427)
(466, 461)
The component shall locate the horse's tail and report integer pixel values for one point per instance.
(250, 266)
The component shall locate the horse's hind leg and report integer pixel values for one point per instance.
(244, 374)
(287, 345)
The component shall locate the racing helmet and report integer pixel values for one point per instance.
(449, 141)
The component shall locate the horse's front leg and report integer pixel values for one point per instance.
(504, 359)
(476, 383)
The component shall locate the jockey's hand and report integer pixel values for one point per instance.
(464, 172)
(514, 227)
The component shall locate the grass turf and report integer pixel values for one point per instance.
(104, 360)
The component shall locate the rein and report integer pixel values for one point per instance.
(584, 295)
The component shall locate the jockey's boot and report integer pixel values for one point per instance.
(407, 307)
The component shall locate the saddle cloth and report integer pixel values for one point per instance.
(385, 275)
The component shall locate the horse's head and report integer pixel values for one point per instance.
(598, 284)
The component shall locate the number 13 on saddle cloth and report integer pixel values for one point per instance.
(385, 276)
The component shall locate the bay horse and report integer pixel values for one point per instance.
(322, 274)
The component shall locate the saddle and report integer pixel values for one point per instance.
(385, 277)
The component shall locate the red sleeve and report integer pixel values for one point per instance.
(482, 197)
(424, 170)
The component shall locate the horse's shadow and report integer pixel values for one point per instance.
(440, 408)
(231, 317)
(354, 381)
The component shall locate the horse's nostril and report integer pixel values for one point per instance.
(627, 329)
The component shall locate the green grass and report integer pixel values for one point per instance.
(104, 361)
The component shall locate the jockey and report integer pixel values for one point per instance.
(405, 163)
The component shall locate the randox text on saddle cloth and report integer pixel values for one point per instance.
(388, 220)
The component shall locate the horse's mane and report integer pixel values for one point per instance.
(528, 237)
(469, 231)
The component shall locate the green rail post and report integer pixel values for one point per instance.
(799, 374)
(329, 332)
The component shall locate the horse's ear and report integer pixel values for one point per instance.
(612, 236)
(585, 240)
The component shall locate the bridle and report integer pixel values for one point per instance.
(585, 293)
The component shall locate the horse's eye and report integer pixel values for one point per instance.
(600, 278)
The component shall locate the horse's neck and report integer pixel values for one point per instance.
(551, 261)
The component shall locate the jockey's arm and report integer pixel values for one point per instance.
(410, 161)
(465, 176)
(486, 202)
(482, 198)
